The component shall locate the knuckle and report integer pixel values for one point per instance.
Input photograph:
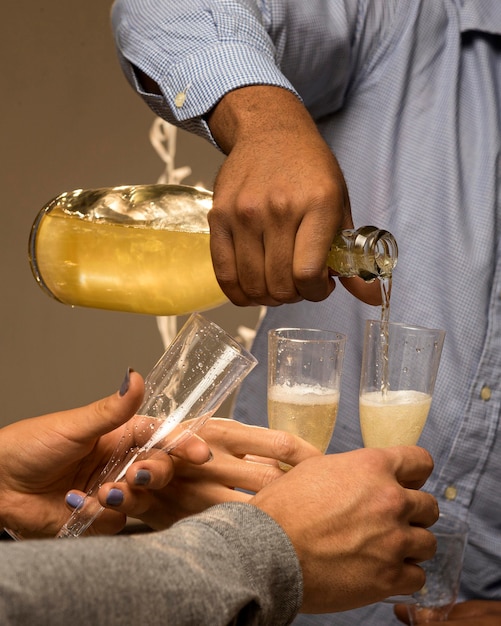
(216, 429)
(373, 461)
(419, 579)
(218, 222)
(430, 545)
(255, 293)
(227, 278)
(328, 193)
(268, 473)
(284, 445)
(305, 274)
(280, 209)
(284, 295)
(394, 497)
(248, 212)
(430, 507)
(245, 209)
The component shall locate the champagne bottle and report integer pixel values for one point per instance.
(145, 249)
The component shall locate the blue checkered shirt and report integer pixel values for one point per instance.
(408, 95)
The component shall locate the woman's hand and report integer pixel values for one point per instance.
(244, 460)
(43, 457)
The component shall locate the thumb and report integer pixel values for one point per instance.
(103, 416)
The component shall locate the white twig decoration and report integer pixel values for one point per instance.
(163, 139)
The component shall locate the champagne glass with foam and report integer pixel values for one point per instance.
(304, 382)
(399, 368)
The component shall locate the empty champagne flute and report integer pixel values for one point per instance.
(200, 368)
(399, 369)
(304, 382)
(435, 600)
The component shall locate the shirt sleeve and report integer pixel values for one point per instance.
(230, 564)
(198, 50)
(195, 51)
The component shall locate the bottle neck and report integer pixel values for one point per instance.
(368, 252)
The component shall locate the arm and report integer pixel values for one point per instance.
(241, 561)
(43, 457)
(280, 197)
(232, 562)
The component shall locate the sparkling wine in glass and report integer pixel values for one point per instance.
(304, 382)
(399, 369)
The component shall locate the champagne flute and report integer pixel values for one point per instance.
(200, 368)
(399, 369)
(304, 382)
(435, 600)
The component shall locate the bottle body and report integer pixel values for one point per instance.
(144, 249)
(139, 249)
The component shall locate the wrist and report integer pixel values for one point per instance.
(248, 112)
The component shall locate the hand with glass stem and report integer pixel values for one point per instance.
(44, 457)
(376, 554)
(47, 458)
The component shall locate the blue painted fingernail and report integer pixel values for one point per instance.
(115, 497)
(74, 500)
(125, 383)
(142, 477)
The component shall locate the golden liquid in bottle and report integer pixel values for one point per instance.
(146, 249)
(108, 266)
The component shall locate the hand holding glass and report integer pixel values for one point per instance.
(201, 367)
(435, 600)
(399, 369)
(304, 382)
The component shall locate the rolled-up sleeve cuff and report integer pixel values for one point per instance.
(191, 88)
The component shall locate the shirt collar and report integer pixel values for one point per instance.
(481, 15)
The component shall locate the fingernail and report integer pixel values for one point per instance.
(74, 500)
(126, 381)
(142, 477)
(115, 497)
(209, 458)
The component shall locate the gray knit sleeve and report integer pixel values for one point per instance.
(231, 564)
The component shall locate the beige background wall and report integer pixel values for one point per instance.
(70, 120)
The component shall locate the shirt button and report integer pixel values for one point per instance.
(450, 493)
(180, 99)
(485, 393)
